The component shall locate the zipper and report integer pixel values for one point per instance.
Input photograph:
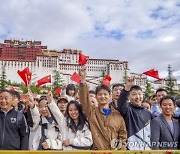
(3, 132)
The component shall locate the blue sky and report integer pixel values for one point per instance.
(144, 33)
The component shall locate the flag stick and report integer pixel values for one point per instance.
(27, 83)
(51, 84)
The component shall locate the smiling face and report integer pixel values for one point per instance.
(73, 112)
(103, 97)
(6, 101)
(136, 97)
(167, 107)
(43, 108)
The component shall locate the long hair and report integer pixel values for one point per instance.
(45, 98)
(70, 87)
(82, 120)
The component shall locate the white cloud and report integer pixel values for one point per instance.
(150, 29)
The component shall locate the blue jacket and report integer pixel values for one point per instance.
(155, 110)
(137, 120)
(13, 136)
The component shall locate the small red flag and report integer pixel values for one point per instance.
(82, 59)
(25, 75)
(108, 77)
(106, 82)
(12, 89)
(46, 79)
(153, 73)
(57, 91)
(76, 77)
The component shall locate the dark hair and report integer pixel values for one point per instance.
(5, 90)
(82, 120)
(161, 89)
(70, 87)
(62, 98)
(167, 97)
(152, 96)
(136, 87)
(117, 85)
(42, 98)
(16, 94)
(92, 92)
(45, 98)
(98, 88)
(177, 103)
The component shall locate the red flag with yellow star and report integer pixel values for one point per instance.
(83, 59)
(46, 79)
(25, 75)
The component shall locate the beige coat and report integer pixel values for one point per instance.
(104, 128)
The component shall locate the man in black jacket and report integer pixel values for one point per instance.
(136, 117)
(14, 133)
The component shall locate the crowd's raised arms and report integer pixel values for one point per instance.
(109, 117)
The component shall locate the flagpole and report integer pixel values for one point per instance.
(51, 84)
(27, 83)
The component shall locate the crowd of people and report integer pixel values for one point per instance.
(109, 118)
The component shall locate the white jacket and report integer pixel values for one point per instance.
(54, 137)
(79, 139)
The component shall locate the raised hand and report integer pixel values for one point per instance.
(64, 87)
(83, 73)
(29, 101)
(129, 83)
(49, 97)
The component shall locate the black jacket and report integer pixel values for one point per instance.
(137, 120)
(13, 136)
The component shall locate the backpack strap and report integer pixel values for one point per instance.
(43, 136)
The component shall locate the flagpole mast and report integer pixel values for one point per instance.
(51, 84)
(27, 82)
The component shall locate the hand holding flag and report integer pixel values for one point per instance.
(106, 80)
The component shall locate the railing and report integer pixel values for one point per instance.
(90, 152)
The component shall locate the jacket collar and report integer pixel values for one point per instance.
(7, 111)
(134, 106)
(167, 125)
